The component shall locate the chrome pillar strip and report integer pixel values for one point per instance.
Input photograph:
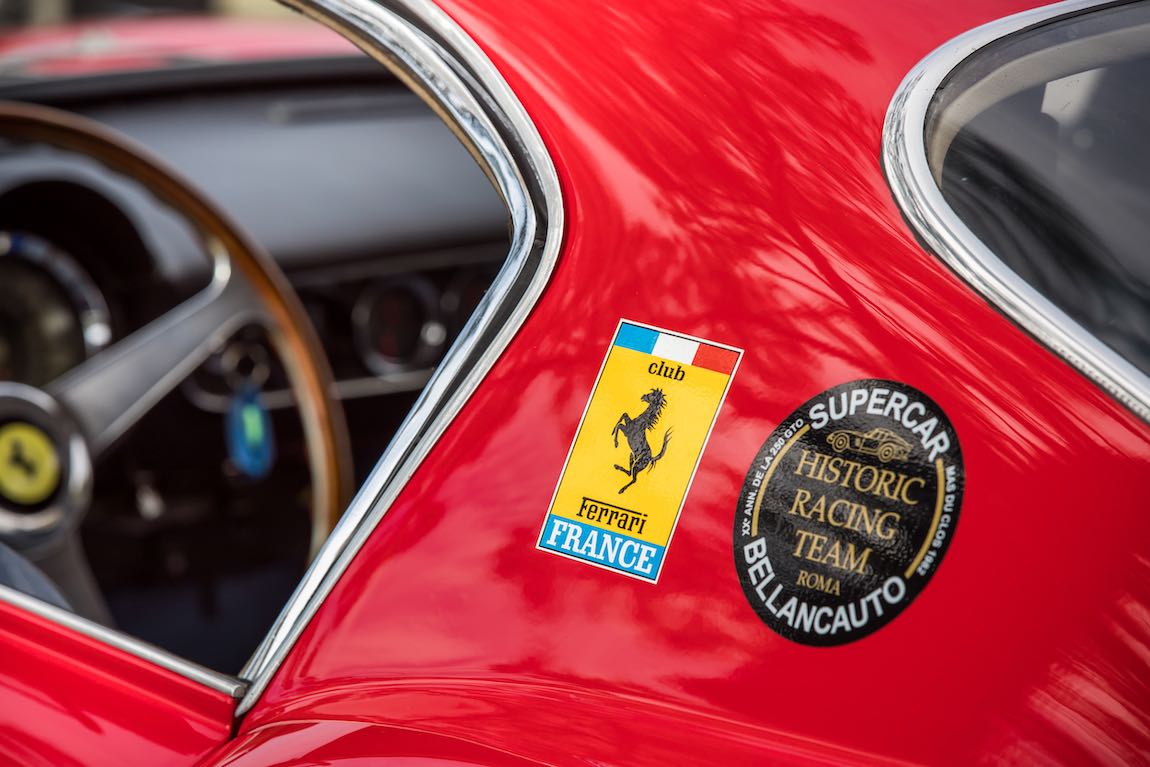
(904, 155)
(436, 57)
(162, 658)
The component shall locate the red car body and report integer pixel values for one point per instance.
(721, 176)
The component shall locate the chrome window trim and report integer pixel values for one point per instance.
(904, 154)
(434, 55)
(212, 679)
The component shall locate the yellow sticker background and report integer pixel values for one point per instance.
(659, 492)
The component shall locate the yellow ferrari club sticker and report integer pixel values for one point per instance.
(636, 449)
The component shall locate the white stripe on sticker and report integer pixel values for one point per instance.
(675, 348)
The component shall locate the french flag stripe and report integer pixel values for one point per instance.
(715, 358)
(638, 338)
(675, 348)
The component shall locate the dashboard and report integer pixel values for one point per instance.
(383, 223)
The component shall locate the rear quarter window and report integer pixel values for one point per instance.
(1040, 143)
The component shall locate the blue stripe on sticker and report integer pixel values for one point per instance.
(637, 338)
(602, 547)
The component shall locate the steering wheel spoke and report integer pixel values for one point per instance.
(109, 393)
(49, 437)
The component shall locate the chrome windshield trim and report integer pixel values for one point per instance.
(436, 57)
(904, 154)
(220, 682)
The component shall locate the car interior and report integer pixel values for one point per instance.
(198, 527)
(1040, 148)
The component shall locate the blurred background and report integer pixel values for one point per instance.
(20, 13)
(69, 38)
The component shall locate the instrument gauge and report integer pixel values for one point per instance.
(397, 325)
(52, 316)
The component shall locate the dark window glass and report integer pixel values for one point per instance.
(1041, 144)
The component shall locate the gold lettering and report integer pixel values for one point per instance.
(819, 510)
(805, 536)
(871, 480)
(819, 582)
(885, 477)
(885, 531)
(853, 562)
(832, 556)
(810, 464)
(835, 555)
(801, 498)
(851, 466)
(831, 513)
(844, 514)
(862, 513)
(906, 486)
(859, 479)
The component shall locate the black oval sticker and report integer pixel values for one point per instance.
(847, 511)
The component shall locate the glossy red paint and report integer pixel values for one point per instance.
(721, 171)
(121, 45)
(104, 706)
(354, 744)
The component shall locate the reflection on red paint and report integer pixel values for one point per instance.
(720, 166)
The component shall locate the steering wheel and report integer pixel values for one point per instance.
(53, 436)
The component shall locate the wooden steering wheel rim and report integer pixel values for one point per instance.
(290, 330)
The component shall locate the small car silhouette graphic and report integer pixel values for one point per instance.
(883, 443)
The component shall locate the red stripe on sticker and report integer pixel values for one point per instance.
(715, 358)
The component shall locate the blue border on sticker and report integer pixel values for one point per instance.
(602, 547)
(637, 338)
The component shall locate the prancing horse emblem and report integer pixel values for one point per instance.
(635, 430)
(18, 460)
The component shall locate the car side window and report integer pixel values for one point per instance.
(199, 368)
(1039, 144)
